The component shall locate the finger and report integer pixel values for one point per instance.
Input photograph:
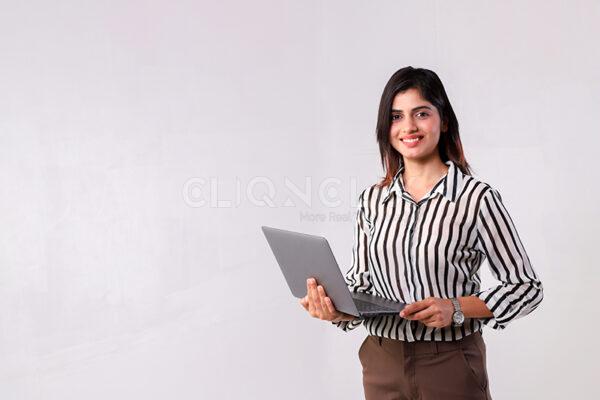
(424, 314)
(336, 315)
(414, 307)
(330, 306)
(307, 286)
(304, 302)
(314, 296)
(321, 290)
(321, 293)
(429, 321)
(310, 296)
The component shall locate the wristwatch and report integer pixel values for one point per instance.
(458, 317)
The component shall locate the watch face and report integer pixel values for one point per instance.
(458, 318)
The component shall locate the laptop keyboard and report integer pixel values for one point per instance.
(366, 306)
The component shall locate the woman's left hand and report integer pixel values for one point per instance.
(433, 312)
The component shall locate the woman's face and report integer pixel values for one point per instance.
(416, 125)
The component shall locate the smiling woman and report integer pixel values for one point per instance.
(416, 133)
(421, 235)
(414, 104)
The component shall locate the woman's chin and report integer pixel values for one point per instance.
(417, 155)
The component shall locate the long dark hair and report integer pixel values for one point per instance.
(432, 90)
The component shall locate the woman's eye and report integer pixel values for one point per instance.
(424, 114)
(395, 117)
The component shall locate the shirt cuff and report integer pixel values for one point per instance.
(348, 325)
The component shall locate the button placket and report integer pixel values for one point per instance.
(413, 223)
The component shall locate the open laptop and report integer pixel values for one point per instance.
(301, 256)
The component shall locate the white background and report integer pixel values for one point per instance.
(115, 116)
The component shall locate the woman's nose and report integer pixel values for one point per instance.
(408, 125)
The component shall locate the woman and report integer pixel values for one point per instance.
(421, 235)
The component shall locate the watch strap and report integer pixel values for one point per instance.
(456, 304)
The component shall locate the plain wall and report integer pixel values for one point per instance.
(119, 118)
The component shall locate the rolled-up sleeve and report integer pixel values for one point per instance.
(520, 291)
(357, 277)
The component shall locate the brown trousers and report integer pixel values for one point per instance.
(424, 370)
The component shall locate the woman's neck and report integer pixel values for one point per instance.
(423, 171)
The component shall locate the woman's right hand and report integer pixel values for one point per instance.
(320, 306)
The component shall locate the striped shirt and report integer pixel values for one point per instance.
(407, 251)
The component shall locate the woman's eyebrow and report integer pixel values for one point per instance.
(414, 109)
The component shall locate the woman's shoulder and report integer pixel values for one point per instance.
(477, 181)
(479, 185)
(373, 191)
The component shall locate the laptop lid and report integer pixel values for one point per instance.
(301, 256)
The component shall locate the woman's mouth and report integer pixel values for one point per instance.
(411, 141)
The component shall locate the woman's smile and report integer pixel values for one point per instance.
(411, 141)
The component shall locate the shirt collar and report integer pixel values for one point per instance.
(450, 186)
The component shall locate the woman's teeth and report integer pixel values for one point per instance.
(411, 140)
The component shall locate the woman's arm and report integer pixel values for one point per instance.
(473, 307)
(520, 291)
(437, 313)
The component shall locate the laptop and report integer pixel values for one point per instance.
(301, 256)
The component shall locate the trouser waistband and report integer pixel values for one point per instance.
(427, 347)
